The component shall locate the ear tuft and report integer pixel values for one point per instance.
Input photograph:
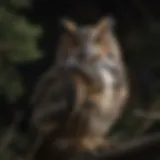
(102, 23)
(106, 22)
(68, 24)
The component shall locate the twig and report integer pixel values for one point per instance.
(152, 115)
(148, 121)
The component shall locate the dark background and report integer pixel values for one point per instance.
(130, 15)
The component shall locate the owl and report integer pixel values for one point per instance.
(84, 94)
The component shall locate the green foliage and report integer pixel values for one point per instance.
(11, 85)
(18, 44)
(7, 155)
(20, 3)
(15, 3)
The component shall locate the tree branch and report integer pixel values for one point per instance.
(125, 149)
(152, 115)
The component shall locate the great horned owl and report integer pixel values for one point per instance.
(90, 69)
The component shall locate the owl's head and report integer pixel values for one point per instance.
(85, 43)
